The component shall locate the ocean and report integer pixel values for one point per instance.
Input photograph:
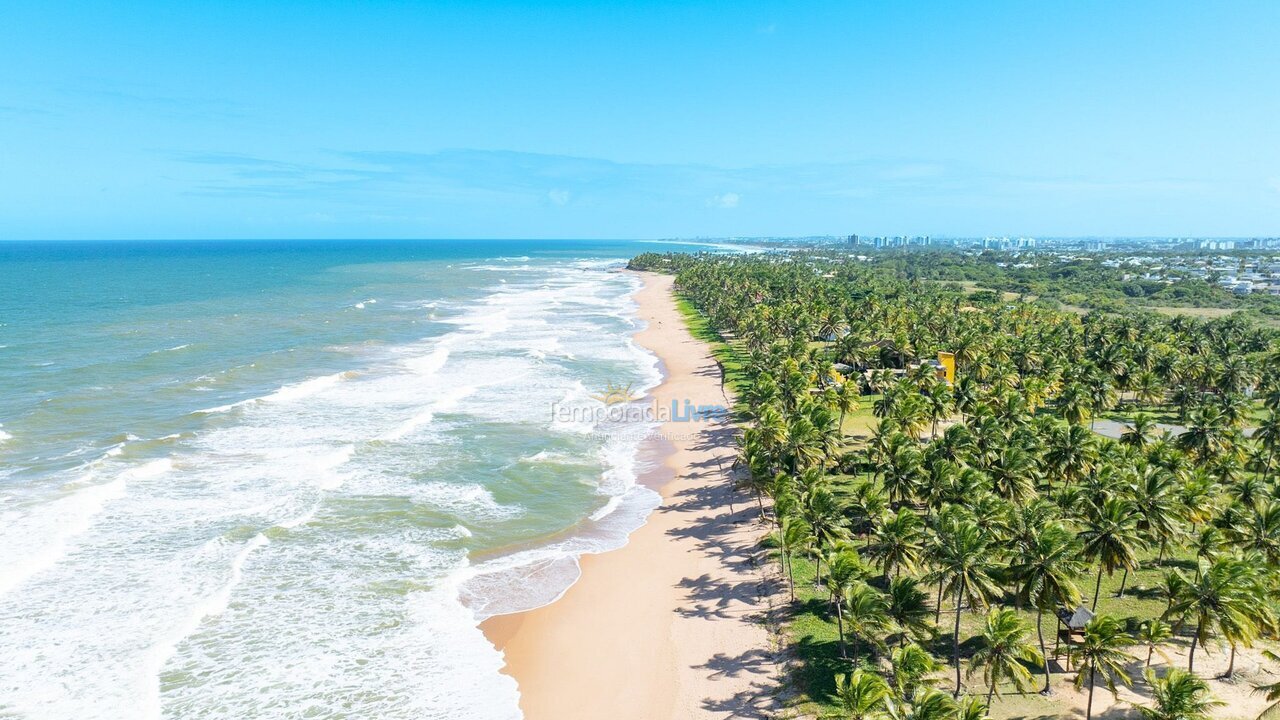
(288, 479)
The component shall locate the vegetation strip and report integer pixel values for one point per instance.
(980, 537)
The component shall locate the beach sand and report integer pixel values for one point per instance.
(673, 624)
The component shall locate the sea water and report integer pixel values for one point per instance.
(288, 479)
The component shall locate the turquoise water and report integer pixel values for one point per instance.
(251, 480)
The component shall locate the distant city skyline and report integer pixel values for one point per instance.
(638, 120)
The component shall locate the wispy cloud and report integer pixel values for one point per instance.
(726, 201)
(396, 182)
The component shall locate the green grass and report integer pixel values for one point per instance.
(731, 358)
(1168, 414)
(861, 422)
(1204, 313)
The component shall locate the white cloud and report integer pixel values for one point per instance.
(560, 197)
(725, 201)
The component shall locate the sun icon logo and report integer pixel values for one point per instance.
(616, 394)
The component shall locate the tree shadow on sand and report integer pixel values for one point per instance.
(758, 699)
(713, 597)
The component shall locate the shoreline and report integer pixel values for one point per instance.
(672, 624)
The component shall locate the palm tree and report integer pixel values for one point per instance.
(925, 704)
(758, 478)
(1111, 539)
(1218, 599)
(1268, 437)
(1101, 395)
(1101, 652)
(972, 708)
(912, 667)
(902, 471)
(1014, 475)
(909, 609)
(964, 566)
(1178, 695)
(861, 695)
(1005, 648)
(937, 404)
(1271, 691)
(1259, 530)
(1157, 506)
(846, 400)
(1071, 453)
(1074, 404)
(866, 614)
(793, 535)
(965, 394)
(1206, 434)
(844, 570)
(1139, 431)
(822, 512)
(1153, 633)
(1046, 570)
(899, 541)
(1147, 390)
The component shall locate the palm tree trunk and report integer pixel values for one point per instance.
(1088, 711)
(1123, 581)
(937, 609)
(1231, 665)
(1191, 657)
(1044, 651)
(955, 638)
(791, 575)
(991, 690)
(1097, 588)
(844, 653)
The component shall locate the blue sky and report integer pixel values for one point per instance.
(609, 119)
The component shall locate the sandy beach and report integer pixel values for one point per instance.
(673, 624)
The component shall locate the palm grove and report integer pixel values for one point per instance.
(993, 500)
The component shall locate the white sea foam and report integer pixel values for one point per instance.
(211, 606)
(175, 348)
(287, 556)
(36, 541)
(430, 363)
(307, 388)
(286, 393)
(533, 578)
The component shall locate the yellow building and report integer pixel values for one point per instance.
(948, 362)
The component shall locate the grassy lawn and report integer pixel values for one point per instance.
(1168, 414)
(1197, 312)
(861, 422)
